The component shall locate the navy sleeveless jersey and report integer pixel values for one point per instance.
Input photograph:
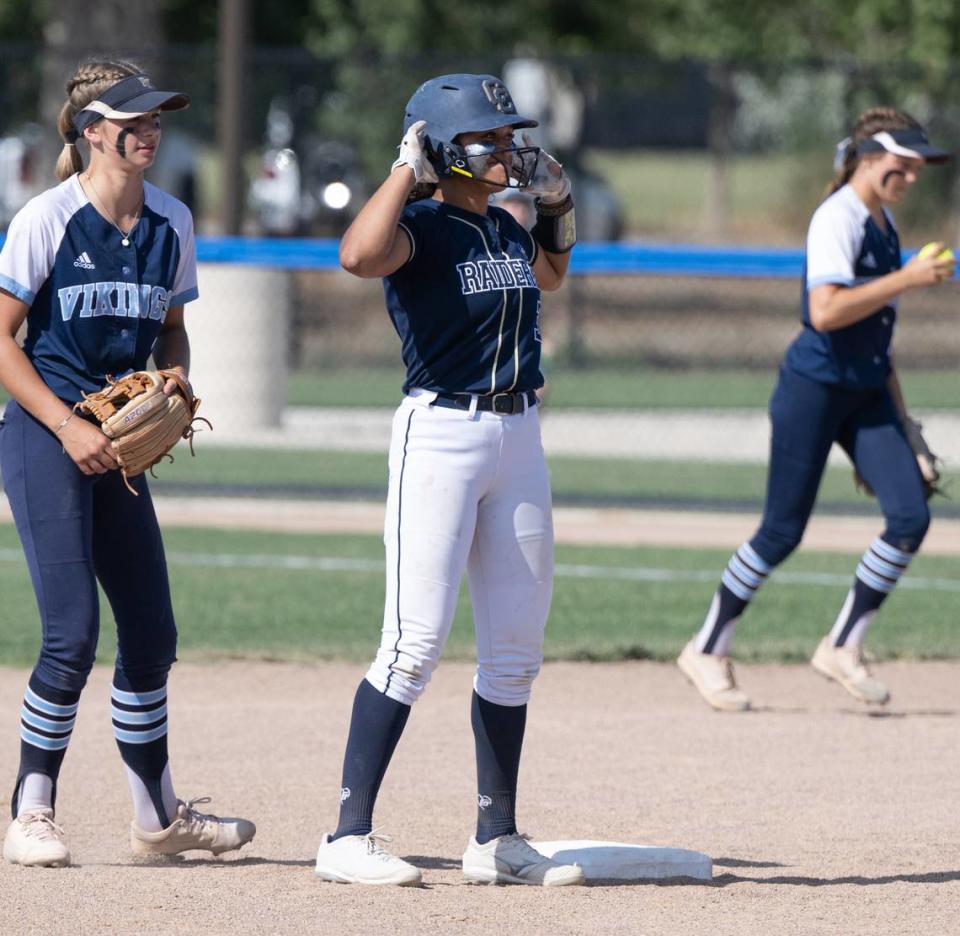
(466, 305)
(847, 247)
(96, 307)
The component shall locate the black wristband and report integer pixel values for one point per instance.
(556, 229)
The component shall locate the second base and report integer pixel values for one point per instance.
(617, 861)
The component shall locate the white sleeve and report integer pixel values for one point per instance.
(185, 282)
(833, 245)
(28, 253)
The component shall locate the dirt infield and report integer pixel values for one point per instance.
(584, 526)
(820, 817)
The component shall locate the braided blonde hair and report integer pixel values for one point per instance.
(868, 123)
(92, 78)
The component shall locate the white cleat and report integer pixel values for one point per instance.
(34, 840)
(362, 859)
(712, 676)
(846, 666)
(510, 859)
(190, 831)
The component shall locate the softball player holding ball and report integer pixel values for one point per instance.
(837, 384)
(100, 267)
(469, 490)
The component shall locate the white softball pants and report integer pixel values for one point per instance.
(467, 493)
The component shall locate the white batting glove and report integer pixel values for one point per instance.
(549, 182)
(413, 154)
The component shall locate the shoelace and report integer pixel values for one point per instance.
(41, 826)
(521, 843)
(194, 817)
(375, 842)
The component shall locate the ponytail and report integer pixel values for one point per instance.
(90, 81)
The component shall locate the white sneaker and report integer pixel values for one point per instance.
(713, 678)
(846, 666)
(192, 830)
(510, 859)
(36, 841)
(362, 859)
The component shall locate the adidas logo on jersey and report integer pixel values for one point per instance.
(84, 262)
(869, 261)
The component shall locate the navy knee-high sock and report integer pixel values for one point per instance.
(139, 713)
(375, 728)
(498, 734)
(46, 723)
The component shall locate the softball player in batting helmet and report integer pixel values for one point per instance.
(100, 268)
(468, 487)
(837, 384)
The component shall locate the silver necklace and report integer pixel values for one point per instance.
(124, 236)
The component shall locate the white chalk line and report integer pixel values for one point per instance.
(293, 563)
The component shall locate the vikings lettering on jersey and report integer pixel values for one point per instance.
(96, 305)
(124, 299)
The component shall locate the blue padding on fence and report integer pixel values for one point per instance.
(292, 253)
(592, 259)
(589, 259)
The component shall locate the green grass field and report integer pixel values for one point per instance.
(607, 388)
(295, 597)
(593, 481)
(617, 388)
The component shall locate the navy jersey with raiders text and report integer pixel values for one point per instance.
(846, 247)
(466, 305)
(96, 307)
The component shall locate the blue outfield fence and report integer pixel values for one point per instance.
(589, 259)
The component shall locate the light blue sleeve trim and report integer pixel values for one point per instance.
(188, 295)
(836, 279)
(16, 290)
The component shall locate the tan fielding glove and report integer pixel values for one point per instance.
(141, 421)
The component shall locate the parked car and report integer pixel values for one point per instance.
(305, 186)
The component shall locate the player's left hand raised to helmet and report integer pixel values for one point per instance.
(548, 182)
(413, 153)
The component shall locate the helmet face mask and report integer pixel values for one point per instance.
(472, 161)
(453, 105)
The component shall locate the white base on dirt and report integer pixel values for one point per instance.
(616, 861)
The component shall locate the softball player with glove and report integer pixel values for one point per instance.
(99, 267)
(469, 490)
(837, 384)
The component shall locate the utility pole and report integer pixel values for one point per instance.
(232, 33)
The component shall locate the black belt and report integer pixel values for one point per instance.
(506, 404)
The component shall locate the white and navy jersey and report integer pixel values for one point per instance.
(96, 307)
(466, 305)
(847, 247)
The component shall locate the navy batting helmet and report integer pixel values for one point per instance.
(455, 104)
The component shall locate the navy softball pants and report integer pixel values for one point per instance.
(808, 417)
(76, 530)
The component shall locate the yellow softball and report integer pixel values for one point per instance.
(929, 250)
